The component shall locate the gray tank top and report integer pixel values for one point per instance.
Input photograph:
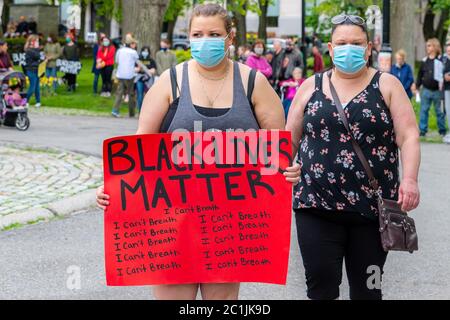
(239, 116)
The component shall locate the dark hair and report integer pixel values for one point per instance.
(349, 23)
(212, 10)
(259, 41)
(53, 37)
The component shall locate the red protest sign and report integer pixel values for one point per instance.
(197, 208)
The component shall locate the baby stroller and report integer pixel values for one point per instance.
(13, 107)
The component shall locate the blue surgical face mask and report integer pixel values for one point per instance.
(349, 58)
(208, 52)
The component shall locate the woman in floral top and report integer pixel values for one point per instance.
(336, 210)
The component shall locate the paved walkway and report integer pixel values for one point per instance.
(36, 259)
(33, 178)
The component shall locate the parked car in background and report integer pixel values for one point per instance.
(179, 41)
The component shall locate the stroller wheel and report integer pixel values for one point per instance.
(22, 122)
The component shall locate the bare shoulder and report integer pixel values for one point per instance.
(387, 79)
(245, 72)
(306, 90)
(389, 84)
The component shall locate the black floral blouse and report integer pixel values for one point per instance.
(332, 177)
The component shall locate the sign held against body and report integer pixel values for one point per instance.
(206, 207)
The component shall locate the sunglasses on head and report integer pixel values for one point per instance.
(342, 18)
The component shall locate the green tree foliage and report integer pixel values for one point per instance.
(317, 18)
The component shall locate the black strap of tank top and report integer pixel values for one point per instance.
(372, 180)
(251, 86)
(174, 82)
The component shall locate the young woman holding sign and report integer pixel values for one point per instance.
(335, 205)
(203, 89)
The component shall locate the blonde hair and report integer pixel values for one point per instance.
(436, 44)
(32, 38)
(401, 53)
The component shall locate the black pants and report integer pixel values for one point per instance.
(106, 74)
(71, 81)
(325, 239)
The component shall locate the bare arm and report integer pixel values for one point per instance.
(295, 117)
(268, 108)
(407, 135)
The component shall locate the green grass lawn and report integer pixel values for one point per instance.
(84, 99)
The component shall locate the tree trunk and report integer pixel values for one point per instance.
(402, 26)
(171, 28)
(441, 31)
(144, 18)
(241, 29)
(262, 28)
(428, 23)
(83, 20)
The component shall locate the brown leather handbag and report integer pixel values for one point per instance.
(397, 229)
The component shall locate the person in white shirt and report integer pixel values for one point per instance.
(126, 58)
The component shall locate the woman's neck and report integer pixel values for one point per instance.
(216, 71)
(362, 74)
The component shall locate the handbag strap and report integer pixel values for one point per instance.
(372, 180)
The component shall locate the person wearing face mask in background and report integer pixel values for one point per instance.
(258, 61)
(96, 71)
(334, 203)
(32, 60)
(403, 72)
(144, 80)
(70, 52)
(215, 90)
(292, 58)
(52, 51)
(105, 63)
(126, 58)
(165, 59)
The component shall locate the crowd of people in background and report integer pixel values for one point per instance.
(284, 65)
(22, 28)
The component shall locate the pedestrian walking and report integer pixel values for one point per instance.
(32, 60)
(126, 59)
(165, 59)
(105, 63)
(403, 72)
(431, 93)
(335, 205)
(210, 83)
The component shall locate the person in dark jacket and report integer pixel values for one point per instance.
(431, 93)
(32, 61)
(403, 72)
(144, 80)
(70, 53)
(22, 28)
